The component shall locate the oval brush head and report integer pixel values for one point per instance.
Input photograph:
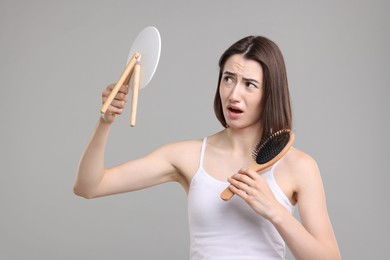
(271, 146)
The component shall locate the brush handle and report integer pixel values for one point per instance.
(227, 194)
(126, 74)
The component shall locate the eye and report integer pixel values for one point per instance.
(228, 80)
(250, 85)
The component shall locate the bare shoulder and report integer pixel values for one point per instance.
(297, 173)
(299, 162)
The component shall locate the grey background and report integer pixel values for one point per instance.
(56, 57)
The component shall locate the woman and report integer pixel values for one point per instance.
(252, 100)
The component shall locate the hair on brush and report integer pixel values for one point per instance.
(271, 146)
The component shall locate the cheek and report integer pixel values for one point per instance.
(222, 94)
(257, 104)
(260, 103)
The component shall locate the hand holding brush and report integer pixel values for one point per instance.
(266, 153)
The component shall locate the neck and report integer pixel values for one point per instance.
(243, 140)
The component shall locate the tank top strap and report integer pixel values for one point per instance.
(202, 152)
(274, 166)
(278, 192)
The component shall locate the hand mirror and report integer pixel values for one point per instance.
(143, 59)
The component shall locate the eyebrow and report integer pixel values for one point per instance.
(246, 79)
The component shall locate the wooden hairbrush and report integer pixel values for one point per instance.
(267, 152)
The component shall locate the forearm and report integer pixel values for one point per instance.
(301, 243)
(91, 167)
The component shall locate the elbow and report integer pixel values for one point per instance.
(334, 254)
(337, 255)
(327, 253)
(81, 193)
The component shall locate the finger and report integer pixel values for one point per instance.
(239, 192)
(115, 110)
(120, 104)
(110, 87)
(119, 96)
(242, 176)
(124, 89)
(252, 174)
(238, 184)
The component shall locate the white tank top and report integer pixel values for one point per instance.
(231, 230)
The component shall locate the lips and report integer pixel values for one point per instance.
(234, 112)
(234, 109)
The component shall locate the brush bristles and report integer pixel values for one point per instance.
(271, 146)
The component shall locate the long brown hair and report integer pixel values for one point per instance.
(276, 111)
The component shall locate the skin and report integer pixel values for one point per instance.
(297, 173)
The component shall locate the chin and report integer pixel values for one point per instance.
(235, 125)
(242, 125)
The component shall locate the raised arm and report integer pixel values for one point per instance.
(94, 180)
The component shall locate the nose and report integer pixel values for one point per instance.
(235, 94)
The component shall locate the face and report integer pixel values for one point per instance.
(241, 91)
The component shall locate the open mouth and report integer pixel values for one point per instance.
(234, 109)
